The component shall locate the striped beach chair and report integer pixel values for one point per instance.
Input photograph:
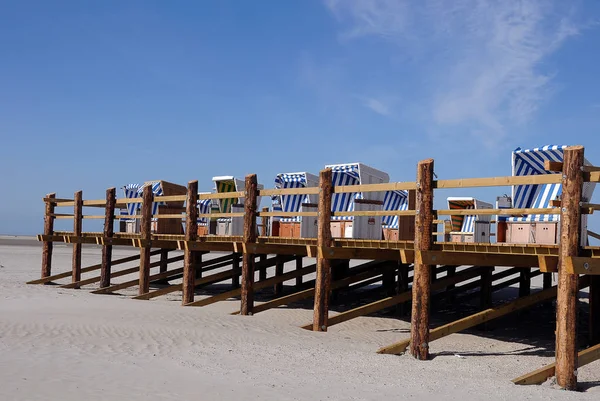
(393, 201)
(531, 162)
(228, 225)
(473, 227)
(356, 174)
(132, 191)
(296, 226)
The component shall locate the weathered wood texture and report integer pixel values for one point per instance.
(421, 290)
(145, 227)
(77, 220)
(566, 314)
(247, 293)
(191, 234)
(323, 281)
(109, 215)
(235, 280)
(48, 230)
(164, 255)
(299, 267)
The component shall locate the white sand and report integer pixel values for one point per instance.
(59, 344)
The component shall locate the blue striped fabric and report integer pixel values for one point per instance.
(344, 202)
(132, 191)
(394, 200)
(157, 191)
(290, 203)
(468, 225)
(204, 206)
(531, 162)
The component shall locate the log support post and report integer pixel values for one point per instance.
(524, 282)
(146, 236)
(323, 281)
(77, 222)
(109, 216)
(278, 288)
(164, 256)
(48, 230)
(421, 290)
(299, 267)
(191, 234)
(594, 299)
(402, 286)
(235, 264)
(250, 204)
(566, 304)
(262, 272)
(485, 301)
(451, 297)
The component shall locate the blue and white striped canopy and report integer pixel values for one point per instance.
(531, 162)
(342, 175)
(290, 203)
(204, 206)
(394, 200)
(136, 190)
(132, 191)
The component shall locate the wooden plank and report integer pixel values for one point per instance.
(191, 234)
(566, 303)
(479, 259)
(553, 166)
(590, 169)
(287, 214)
(259, 285)
(421, 290)
(211, 279)
(210, 265)
(116, 274)
(547, 264)
(323, 281)
(400, 298)
(376, 213)
(289, 191)
(368, 272)
(48, 230)
(109, 213)
(582, 265)
(476, 319)
(55, 200)
(146, 236)
(593, 234)
(499, 181)
(77, 220)
(364, 253)
(392, 186)
(250, 205)
(492, 212)
(542, 374)
(86, 269)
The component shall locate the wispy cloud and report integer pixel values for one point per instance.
(377, 105)
(481, 62)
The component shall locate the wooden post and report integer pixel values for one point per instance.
(594, 299)
(265, 222)
(262, 272)
(524, 282)
(451, 273)
(146, 236)
(547, 280)
(278, 288)
(48, 230)
(247, 295)
(421, 290)
(402, 286)
(235, 264)
(299, 267)
(323, 282)
(485, 300)
(191, 234)
(77, 220)
(164, 256)
(570, 229)
(109, 215)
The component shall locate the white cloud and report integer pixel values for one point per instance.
(481, 62)
(376, 105)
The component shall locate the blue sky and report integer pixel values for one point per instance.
(98, 94)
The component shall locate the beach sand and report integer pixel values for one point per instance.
(62, 344)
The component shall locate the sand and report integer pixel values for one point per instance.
(59, 344)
